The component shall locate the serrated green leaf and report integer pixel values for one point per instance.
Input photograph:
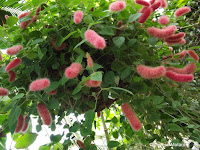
(25, 140)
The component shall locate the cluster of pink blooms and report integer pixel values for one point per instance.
(131, 117)
(25, 24)
(117, 6)
(52, 92)
(80, 144)
(73, 70)
(39, 84)
(44, 114)
(91, 83)
(12, 76)
(78, 16)
(94, 39)
(22, 124)
(149, 7)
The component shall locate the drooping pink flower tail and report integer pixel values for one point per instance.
(189, 69)
(91, 83)
(193, 54)
(39, 84)
(182, 11)
(80, 144)
(26, 124)
(145, 15)
(117, 6)
(13, 64)
(143, 2)
(14, 50)
(179, 77)
(131, 117)
(44, 114)
(52, 92)
(94, 39)
(73, 70)
(12, 76)
(20, 123)
(89, 60)
(151, 72)
(78, 16)
(181, 55)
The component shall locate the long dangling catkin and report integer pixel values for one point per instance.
(131, 117)
(73, 70)
(193, 54)
(151, 72)
(179, 77)
(39, 84)
(13, 64)
(189, 69)
(44, 114)
(117, 6)
(182, 11)
(20, 123)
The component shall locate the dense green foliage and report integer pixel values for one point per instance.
(168, 111)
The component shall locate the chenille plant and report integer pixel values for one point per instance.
(121, 60)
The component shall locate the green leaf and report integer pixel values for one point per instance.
(109, 78)
(54, 104)
(126, 72)
(14, 114)
(107, 31)
(32, 55)
(75, 127)
(131, 42)
(40, 54)
(77, 89)
(44, 147)
(88, 19)
(134, 17)
(20, 95)
(118, 41)
(55, 138)
(194, 47)
(152, 40)
(25, 140)
(79, 44)
(93, 147)
(36, 41)
(11, 21)
(157, 99)
(37, 2)
(91, 24)
(174, 127)
(59, 40)
(70, 34)
(70, 111)
(114, 120)
(112, 144)
(89, 118)
(96, 76)
(54, 85)
(63, 80)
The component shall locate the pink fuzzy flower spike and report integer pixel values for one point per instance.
(189, 69)
(117, 6)
(44, 114)
(20, 123)
(78, 16)
(193, 54)
(152, 1)
(163, 20)
(3, 92)
(131, 117)
(176, 36)
(91, 83)
(12, 76)
(145, 15)
(73, 70)
(26, 124)
(14, 50)
(179, 77)
(39, 84)
(181, 55)
(164, 3)
(143, 2)
(171, 49)
(94, 39)
(150, 72)
(13, 64)
(183, 41)
(162, 33)
(182, 11)
(156, 5)
(89, 60)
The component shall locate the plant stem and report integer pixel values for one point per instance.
(105, 129)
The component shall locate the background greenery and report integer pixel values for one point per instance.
(169, 113)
